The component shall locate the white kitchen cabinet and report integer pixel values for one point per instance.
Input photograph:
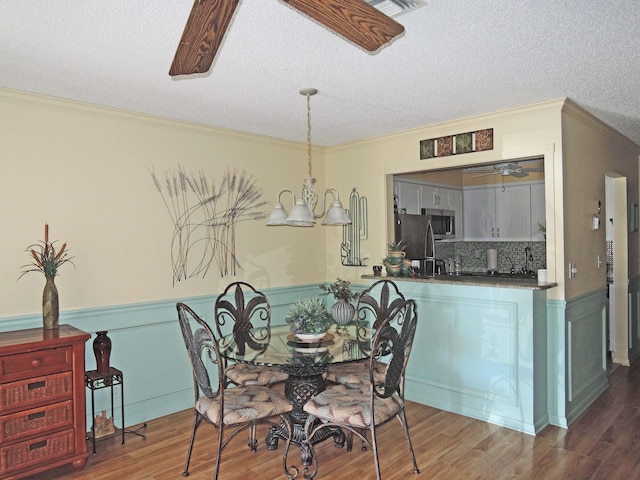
(513, 213)
(456, 204)
(479, 213)
(409, 196)
(538, 212)
(442, 198)
(499, 214)
(414, 196)
(434, 197)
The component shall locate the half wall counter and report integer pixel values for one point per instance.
(480, 348)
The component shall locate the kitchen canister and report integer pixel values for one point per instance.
(492, 259)
(542, 275)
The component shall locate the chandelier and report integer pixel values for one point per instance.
(303, 211)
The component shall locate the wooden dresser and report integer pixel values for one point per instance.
(42, 400)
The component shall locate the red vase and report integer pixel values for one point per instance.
(102, 351)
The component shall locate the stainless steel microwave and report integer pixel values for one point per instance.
(443, 223)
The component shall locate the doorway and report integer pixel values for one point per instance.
(617, 267)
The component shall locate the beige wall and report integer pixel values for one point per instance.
(590, 151)
(85, 171)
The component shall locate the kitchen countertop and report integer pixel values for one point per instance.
(477, 279)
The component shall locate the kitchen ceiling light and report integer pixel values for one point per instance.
(303, 212)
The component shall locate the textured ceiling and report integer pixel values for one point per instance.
(457, 58)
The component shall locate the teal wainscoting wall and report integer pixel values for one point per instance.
(577, 355)
(148, 348)
(506, 356)
(511, 356)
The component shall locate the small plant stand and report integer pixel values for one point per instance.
(96, 381)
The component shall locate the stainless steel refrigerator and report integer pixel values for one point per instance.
(417, 233)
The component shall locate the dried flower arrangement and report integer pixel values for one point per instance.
(45, 257)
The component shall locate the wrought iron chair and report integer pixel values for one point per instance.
(237, 407)
(250, 316)
(371, 311)
(360, 408)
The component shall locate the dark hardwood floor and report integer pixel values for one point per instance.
(602, 444)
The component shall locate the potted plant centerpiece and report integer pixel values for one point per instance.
(309, 319)
(395, 262)
(397, 249)
(343, 310)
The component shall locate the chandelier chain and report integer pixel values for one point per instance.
(309, 135)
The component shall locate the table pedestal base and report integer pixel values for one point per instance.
(304, 382)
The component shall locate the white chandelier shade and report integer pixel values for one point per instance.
(302, 215)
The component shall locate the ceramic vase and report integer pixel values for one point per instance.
(50, 306)
(343, 311)
(393, 270)
(404, 267)
(102, 351)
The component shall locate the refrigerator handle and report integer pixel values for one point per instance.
(430, 259)
(429, 242)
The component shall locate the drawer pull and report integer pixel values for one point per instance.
(34, 385)
(35, 362)
(37, 445)
(36, 416)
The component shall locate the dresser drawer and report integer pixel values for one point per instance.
(21, 456)
(35, 391)
(31, 364)
(36, 421)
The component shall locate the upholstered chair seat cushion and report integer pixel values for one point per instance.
(355, 372)
(244, 404)
(350, 405)
(245, 374)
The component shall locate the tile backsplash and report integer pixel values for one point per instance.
(474, 254)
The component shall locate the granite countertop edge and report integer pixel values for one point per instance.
(478, 281)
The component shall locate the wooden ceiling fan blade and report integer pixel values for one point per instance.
(354, 20)
(202, 36)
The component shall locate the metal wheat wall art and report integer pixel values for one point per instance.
(354, 232)
(205, 217)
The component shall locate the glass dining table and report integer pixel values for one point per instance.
(305, 364)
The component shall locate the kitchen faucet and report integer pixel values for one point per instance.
(513, 267)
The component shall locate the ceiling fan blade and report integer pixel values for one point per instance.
(490, 170)
(510, 166)
(518, 174)
(354, 20)
(532, 169)
(202, 36)
(483, 174)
